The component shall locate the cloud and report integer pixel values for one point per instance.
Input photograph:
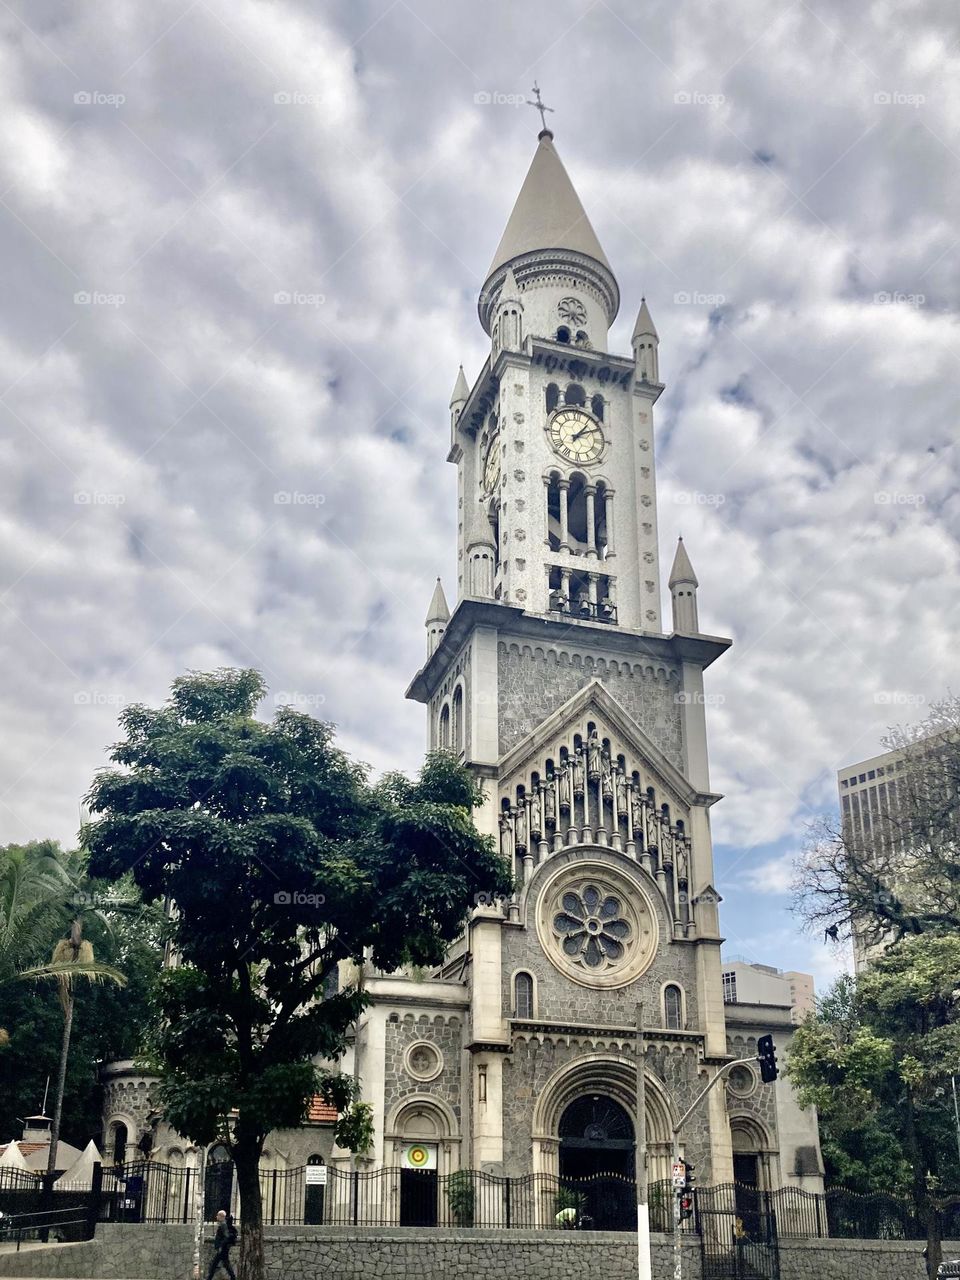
(342, 160)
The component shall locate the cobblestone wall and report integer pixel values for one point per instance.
(297, 1253)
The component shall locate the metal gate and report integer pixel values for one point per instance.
(738, 1233)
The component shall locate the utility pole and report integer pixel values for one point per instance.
(956, 1111)
(644, 1268)
(677, 1130)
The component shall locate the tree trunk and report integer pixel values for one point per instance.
(246, 1156)
(61, 1082)
(922, 1198)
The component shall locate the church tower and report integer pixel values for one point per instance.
(554, 680)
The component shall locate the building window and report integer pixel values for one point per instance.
(445, 727)
(523, 996)
(672, 1008)
(458, 718)
(730, 988)
(119, 1143)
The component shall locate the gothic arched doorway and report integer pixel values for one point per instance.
(598, 1162)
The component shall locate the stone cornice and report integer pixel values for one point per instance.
(700, 650)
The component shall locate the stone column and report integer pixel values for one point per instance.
(608, 513)
(564, 488)
(591, 493)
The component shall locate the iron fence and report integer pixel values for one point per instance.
(154, 1192)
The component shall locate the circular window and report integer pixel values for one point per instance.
(596, 925)
(423, 1061)
(741, 1080)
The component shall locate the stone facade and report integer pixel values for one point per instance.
(534, 679)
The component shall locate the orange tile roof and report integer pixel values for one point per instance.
(320, 1112)
(27, 1148)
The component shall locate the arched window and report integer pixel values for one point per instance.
(458, 718)
(575, 395)
(563, 334)
(553, 396)
(596, 407)
(445, 727)
(673, 1008)
(523, 996)
(119, 1143)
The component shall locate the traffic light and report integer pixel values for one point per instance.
(767, 1057)
(689, 1178)
(686, 1206)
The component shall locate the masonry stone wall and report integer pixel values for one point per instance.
(351, 1253)
(446, 1035)
(534, 680)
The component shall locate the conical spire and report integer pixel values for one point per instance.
(548, 213)
(682, 570)
(644, 328)
(510, 290)
(438, 611)
(461, 393)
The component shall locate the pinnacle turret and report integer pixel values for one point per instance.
(683, 592)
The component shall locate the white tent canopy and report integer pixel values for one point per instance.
(12, 1158)
(80, 1172)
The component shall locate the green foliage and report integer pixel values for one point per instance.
(462, 1197)
(283, 861)
(876, 1061)
(108, 1024)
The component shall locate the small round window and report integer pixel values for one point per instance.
(423, 1061)
(741, 1080)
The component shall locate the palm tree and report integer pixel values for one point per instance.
(41, 887)
(72, 958)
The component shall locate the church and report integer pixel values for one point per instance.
(583, 716)
(556, 681)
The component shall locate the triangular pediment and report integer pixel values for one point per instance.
(595, 705)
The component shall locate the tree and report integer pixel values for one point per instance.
(281, 861)
(877, 1058)
(905, 878)
(109, 1023)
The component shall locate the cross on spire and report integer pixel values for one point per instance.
(540, 107)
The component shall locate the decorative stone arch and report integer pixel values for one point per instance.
(423, 1117)
(749, 1136)
(614, 1075)
(114, 1120)
(524, 970)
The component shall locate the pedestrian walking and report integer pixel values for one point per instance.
(223, 1241)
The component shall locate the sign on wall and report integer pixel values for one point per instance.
(316, 1175)
(420, 1155)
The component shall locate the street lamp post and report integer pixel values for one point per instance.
(644, 1268)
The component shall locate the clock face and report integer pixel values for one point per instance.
(576, 436)
(491, 465)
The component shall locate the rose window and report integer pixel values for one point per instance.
(572, 310)
(591, 927)
(596, 923)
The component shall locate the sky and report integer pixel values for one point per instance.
(243, 243)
